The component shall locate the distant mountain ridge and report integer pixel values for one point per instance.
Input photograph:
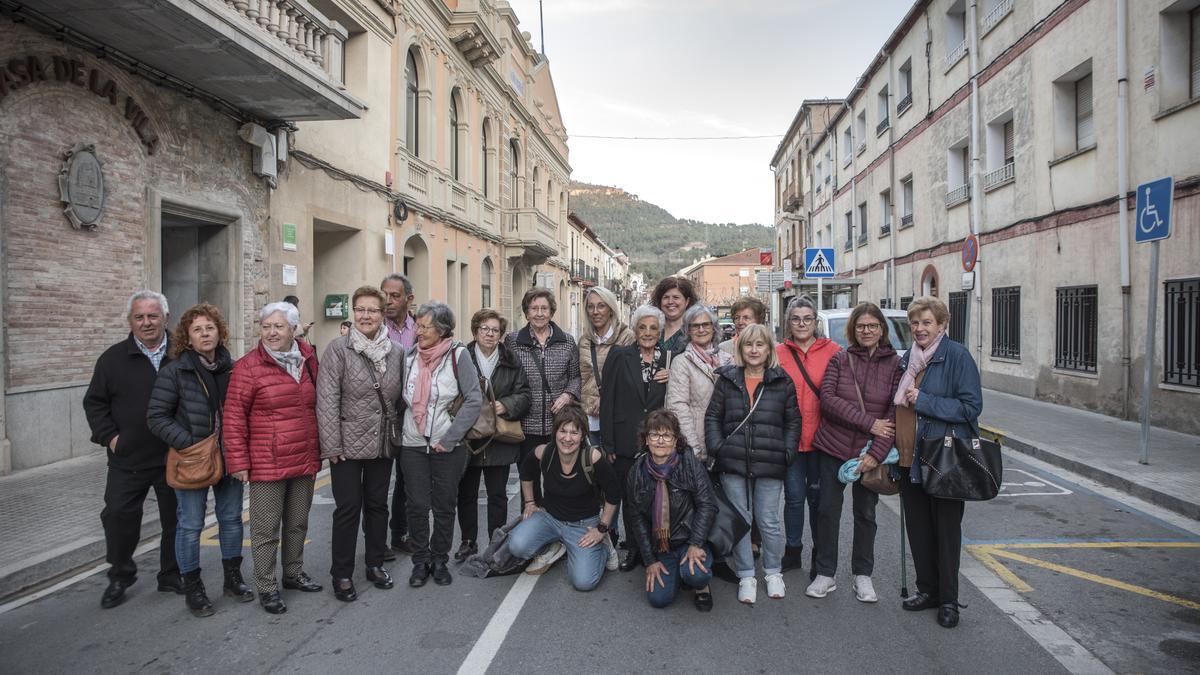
(656, 243)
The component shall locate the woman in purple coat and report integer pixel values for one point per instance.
(856, 407)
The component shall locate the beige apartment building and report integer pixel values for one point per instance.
(593, 264)
(720, 281)
(455, 176)
(1028, 124)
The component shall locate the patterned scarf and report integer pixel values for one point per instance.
(289, 360)
(917, 360)
(429, 358)
(649, 369)
(707, 356)
(661, 513)
(375, 349)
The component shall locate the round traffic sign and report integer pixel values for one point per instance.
(970, 253)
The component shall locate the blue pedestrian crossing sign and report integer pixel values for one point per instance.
(819, 263)
(1153, 217)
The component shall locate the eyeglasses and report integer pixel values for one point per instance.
(423, 327)
(868, 328)
(488, 330)
(372, 311)
(802, 320)
(707, 325)
(660, 436)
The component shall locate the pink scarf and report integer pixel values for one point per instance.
(430, 357)
(710, 359)
(917, 360)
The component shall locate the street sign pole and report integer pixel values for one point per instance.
(820, 293)
(1148, 381)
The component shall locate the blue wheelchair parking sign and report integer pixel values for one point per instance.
(1152, 221)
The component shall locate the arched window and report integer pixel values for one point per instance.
(483, 158)
(454, 134)
(514, 170)
(411, 121)
(485, 278)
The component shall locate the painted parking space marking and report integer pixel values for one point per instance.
(1021, 483)
(993, 555)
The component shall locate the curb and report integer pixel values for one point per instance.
(1056, 457)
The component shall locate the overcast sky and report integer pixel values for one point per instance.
(699, 68)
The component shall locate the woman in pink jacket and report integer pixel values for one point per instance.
(270, 437)
(804, 354)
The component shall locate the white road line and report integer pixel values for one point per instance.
(1057, 643)
(489, 642)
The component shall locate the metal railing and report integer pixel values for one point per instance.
(1001, 10)
(1002, 176)
(1006, 322)
(958, 195)
(1075, 328)
(885, 228)
(904, 103)
(882, 126)
(906, 220)
(1181, 359)
(955, 54)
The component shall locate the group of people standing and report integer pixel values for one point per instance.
(634, 429)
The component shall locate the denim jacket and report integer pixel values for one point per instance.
(951, 398)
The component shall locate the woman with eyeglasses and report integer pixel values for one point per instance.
(693, 374)
(671, 504)
(856, 407)
(804, 354)
(358, 369)
(635, 382)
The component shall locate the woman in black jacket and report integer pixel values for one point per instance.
(635, 382)
(501, 379)
(185, 408)
(670, 501)
(752, 429)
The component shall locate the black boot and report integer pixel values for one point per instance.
(441, 574)
(272, 602)
(194, 595)
(235, 586)
(793, 558)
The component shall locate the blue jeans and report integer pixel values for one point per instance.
(192, 504)
(767, 492)
(585, 566)
(801, 484)
(678, 574)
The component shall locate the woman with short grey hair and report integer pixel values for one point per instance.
(271, 442)
(439, 374)
(693, 374)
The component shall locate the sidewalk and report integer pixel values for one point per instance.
(51, 521)
(1102, 448)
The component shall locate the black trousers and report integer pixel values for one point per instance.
(124, 494)
(829, 521)
(622, 466)
(359, 487)
(431, 480)
(399, 510)
(495, 480)
(934, 527)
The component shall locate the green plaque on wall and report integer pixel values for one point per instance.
(289, 237)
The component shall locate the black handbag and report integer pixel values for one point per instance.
(965, 469)
(729, 526)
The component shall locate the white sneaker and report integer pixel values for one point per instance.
(775, 586)
(541, 562)
(748, 590)
(613, 561)
(821, 586)
(864, 590)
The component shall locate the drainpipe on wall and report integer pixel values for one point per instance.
(976, 213)
(1123, 202)
(891, 206)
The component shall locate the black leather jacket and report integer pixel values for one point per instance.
(692, 504)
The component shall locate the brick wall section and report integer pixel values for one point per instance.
(66, 289)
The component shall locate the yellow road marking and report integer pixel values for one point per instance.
(987, 554)
(209, 536)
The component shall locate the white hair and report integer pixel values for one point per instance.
(147, 295)
(649, 310)
(287, 309)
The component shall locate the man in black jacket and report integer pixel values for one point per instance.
(115, 404)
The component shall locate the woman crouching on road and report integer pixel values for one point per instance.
(670, 501)
(574, 488)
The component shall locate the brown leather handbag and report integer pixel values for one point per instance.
(881, 479)
(199, 465)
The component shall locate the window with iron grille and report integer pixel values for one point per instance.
(1181, 334)
(1076, 310)
(885, 303)
(1006, 322)
(958, 316)
(905, 301)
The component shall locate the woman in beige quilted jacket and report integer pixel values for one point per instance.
(350, 422)
(605, 330)
(693, 375)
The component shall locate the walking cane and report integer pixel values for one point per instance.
(903, 566)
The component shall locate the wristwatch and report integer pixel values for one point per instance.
(602, 528)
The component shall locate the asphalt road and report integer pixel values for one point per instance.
(1121, 582)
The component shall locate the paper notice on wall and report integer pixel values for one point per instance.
(291, 275)
(389, 243)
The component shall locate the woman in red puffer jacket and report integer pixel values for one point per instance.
(270, 440)
(804, 352)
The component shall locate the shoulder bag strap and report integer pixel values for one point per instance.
(537, 357)
(595, 365)
(375, 384)
(854, 376)
(804, 372)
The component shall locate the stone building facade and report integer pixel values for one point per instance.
(720, 281)
(1011, 120)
